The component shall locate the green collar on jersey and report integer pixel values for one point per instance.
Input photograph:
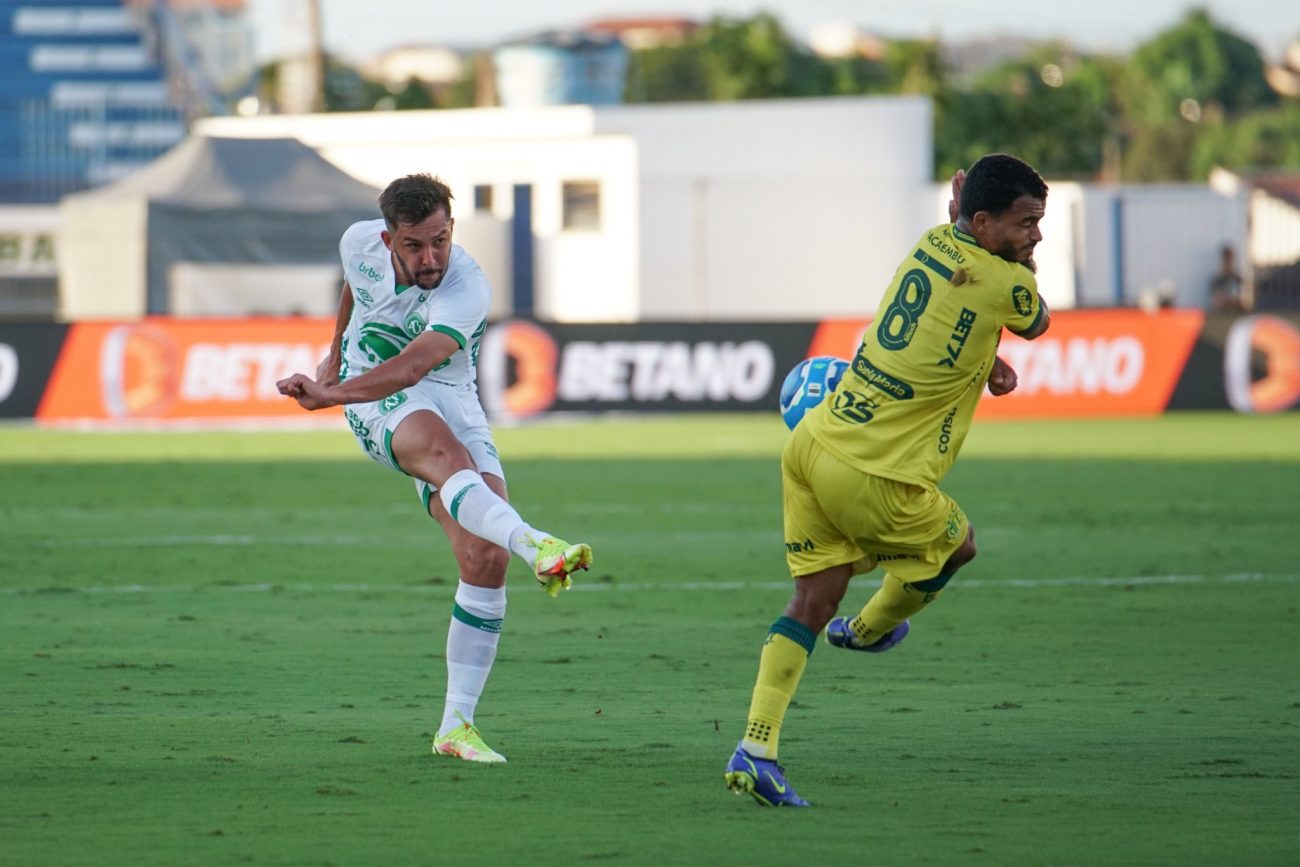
(964, 236)
(400, 288)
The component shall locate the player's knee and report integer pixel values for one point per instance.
(484, 560)
(962, 555)
(815, 601)
(495, 558)
(959, 558)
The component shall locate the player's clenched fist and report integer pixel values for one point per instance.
(1003, 379)
(302, 388)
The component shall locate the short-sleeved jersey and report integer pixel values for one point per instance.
(904, 407)
(387, 315)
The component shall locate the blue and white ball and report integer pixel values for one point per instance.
(808, 384)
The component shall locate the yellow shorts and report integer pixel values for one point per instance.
(835, 514)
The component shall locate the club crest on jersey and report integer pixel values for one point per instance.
(415, 325)
(954, 524)
(392, 402)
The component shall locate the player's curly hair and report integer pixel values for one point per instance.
(413, 199)
(997, 180)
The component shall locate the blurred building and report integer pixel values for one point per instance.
(569, 68)
(967, 60)
(640, 34)
(217, 35)
(93, 89)
(761, 209)
(83, 98)
(90, 91)
(1284, 77)
(1273, 254)
(844, 39)
(431, 65)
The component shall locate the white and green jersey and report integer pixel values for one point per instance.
(387, 315)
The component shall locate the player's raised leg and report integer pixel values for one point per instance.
(883, 621)
(425, 447)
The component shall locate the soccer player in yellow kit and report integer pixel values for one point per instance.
(861, 471)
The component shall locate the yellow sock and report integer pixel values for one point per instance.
(889, 606)
(781, 664)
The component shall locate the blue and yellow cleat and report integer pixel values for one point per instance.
(762, 778)
(840, 634)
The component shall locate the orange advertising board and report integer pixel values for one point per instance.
(1089, 363)
(172, 369)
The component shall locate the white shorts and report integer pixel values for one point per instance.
(373, 425)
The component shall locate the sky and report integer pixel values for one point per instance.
(362, 28)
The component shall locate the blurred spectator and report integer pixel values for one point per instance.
(1226, 287)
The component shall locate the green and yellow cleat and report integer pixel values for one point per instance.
(555, 560)
(465, 742)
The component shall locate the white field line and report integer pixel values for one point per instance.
(690, 586)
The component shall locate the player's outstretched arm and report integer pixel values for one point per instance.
(327, 371)
(420, 356)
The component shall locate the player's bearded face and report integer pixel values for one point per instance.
(1016, 232)
(421, 250)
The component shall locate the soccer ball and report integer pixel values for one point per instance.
(807, 384)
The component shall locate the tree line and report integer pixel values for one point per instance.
(1190, 98)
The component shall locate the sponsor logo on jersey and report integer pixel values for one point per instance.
(1022, 299)
(945, 431)
(367, 270)
(796, 547)
(366, 299)
(874, 376)
(392, 402)
(354, 421)
(960, 331)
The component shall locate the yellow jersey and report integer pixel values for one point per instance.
(905, 404)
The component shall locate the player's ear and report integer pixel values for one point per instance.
(386, 238)
(982, 222)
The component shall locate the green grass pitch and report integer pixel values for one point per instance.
(226, 648)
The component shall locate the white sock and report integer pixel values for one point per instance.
(477, 508)
(472, 640)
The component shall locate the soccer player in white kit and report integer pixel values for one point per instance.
(404, 355)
